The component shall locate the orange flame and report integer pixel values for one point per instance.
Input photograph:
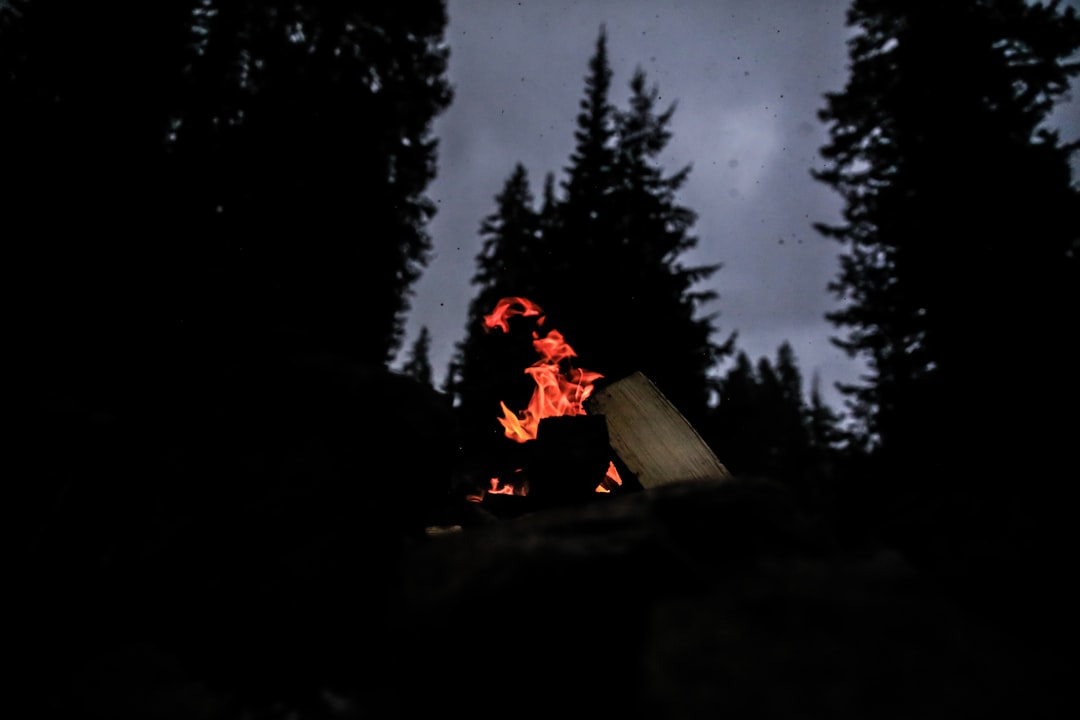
(501, 487)
(508, 308)
(557, 392)
(611, 479)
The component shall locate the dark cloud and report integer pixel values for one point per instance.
(748, 79)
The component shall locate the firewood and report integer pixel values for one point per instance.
(651, 436)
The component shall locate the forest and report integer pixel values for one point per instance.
(226, 496)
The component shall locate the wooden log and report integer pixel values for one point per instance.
(650, 435)
(569, 459)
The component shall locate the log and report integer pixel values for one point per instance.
(651, 437)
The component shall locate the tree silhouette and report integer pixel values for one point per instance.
(418, 364)
(826, 434)
(266, 162)
(960, 222)
(85, 103)
(602, 258)
(763, 427)
(217, 210)
(309, 127)
(959, 277)
(490, 367)
(734, 429)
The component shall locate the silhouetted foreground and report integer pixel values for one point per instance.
(696, 600)
(262, 548)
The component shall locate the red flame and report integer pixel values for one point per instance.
(558, 391)
(501, 487)
(508, 308)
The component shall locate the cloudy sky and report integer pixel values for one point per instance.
(748, 78)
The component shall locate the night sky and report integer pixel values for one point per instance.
(748, 79)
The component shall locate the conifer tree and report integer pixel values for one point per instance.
(791, 418)
(84, 114)
(489, 368)
(184, 176)
(267, 166)
(761, 425)
(602, 257)
(825, 433)
(418, 364)
(960, 270)
(309, 128)
(959, 278)
(590, 174)
(826, 446)
(651, 294)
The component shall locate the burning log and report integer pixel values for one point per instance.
(569, 462)
(563, 460)
(589, 442)
(570, 458)
(651, 437)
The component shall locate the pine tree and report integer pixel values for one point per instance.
(489, 368)
(590, 175)
(734, 426)
(602, 258)
(308, 128)
(418, 364)
(960, 282)
(959, 271)
(825, 433)
(792, 416)
(85, 106)
(761, 425)
(183, 175)
(651, 293)
(623, 297)
(267, 164)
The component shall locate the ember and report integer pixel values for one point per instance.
(560, 390)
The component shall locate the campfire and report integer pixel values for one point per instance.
(561, 391)
(586, 442)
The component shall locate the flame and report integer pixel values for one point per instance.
(501, 487)
(611, 479)
(498, 487)
(558, 392)
(508, 308)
